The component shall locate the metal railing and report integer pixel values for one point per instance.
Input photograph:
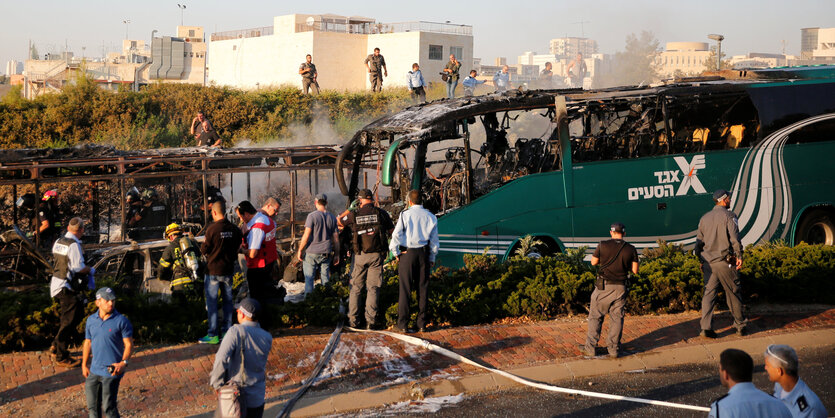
(369, 28)
(243, 33)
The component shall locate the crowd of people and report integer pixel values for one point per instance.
(413, 241)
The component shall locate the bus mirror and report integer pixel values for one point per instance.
(390, 164)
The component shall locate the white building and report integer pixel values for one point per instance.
(14, 67)
(760, 60)
(571, 46)
(271, 55)
(686, 57)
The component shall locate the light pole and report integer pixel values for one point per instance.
(718, 38)
(127, 25)
(182, 10)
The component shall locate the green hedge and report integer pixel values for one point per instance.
(485, 290)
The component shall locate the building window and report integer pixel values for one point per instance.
(436, 52)
(191, 33)
(457, 51)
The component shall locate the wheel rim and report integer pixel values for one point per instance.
(821, 232)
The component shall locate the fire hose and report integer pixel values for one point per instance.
(329, 349)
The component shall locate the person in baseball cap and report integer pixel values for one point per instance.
(105, 293)
(248, 307)
(617, 227)
(321, 197)
(721, 194)
(365, 194)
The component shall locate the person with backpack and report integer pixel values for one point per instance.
(180, 262)
(371, 226)
(618, 258)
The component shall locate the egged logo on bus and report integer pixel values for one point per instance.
(685, 176)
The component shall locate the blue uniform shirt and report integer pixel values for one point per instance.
(801, 401)
(744, 400)
(106, 342)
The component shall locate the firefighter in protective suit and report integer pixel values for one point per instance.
(180, 263)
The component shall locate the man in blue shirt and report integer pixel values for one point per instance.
(321, 233)
(782, 366)
(417, 232)
(109, 338)
(502, 79)
(245, 339)
(743, 400)
(416, 83)
(470, 83)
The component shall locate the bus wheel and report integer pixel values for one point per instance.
(817, 227)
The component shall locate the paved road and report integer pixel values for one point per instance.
(690, 384)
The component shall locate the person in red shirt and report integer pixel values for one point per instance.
(261, 251)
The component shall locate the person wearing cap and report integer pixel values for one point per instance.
(154, 214)
(245, 344)
(134, 214)
(70, 277)
(617, 258)
(260, 250)
(223, 239)
(781, 365)
(743, 399)
(720, 253)
(417, 233)
(108, 339)
(370, 227)
(51, 219)
(321, 234)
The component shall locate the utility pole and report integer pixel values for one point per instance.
(718, 38)
(127, 25)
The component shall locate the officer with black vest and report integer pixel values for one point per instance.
(617, 258)
(154, 214)
(51, 218)
(70, 279)
(371, 228)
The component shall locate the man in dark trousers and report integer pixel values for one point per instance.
(223, 239)
(108, 345)
(376, 66)
(370, 226)
(617, 259)
(309, 74)
(417, 232)
(720, 254)
(261, 251)
(69, 278)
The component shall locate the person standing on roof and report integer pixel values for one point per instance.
(223, 240)
(309, 75)
(376, 66)
(70, 278)
(451, 68)
(371, 227)
(320, 232)
(502, 79)
(416, 83)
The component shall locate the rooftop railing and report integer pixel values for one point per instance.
(369, 28)
(243, 33)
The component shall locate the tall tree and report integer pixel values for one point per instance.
(710, 62)
(636, 64)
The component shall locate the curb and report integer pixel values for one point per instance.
(570, 368)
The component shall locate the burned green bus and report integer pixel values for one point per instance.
(562, 165)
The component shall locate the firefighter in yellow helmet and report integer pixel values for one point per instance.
(180, 263)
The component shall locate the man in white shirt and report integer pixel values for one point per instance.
(70, 276)
(417, 232)
(782, 366)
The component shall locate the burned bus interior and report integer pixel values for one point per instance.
(457, 150)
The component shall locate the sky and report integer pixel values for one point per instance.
(500, 28)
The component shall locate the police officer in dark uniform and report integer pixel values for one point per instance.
(720, 253)
(26, 206)
(154, 214)
(371, 227)
(51, 218)
(70, 278)
(180, 262)
(133, 215)
(617, 258)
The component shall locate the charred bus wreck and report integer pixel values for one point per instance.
(551, 163)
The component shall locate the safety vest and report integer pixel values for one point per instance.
(61, 268)
(369, 236)
(268, 251)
